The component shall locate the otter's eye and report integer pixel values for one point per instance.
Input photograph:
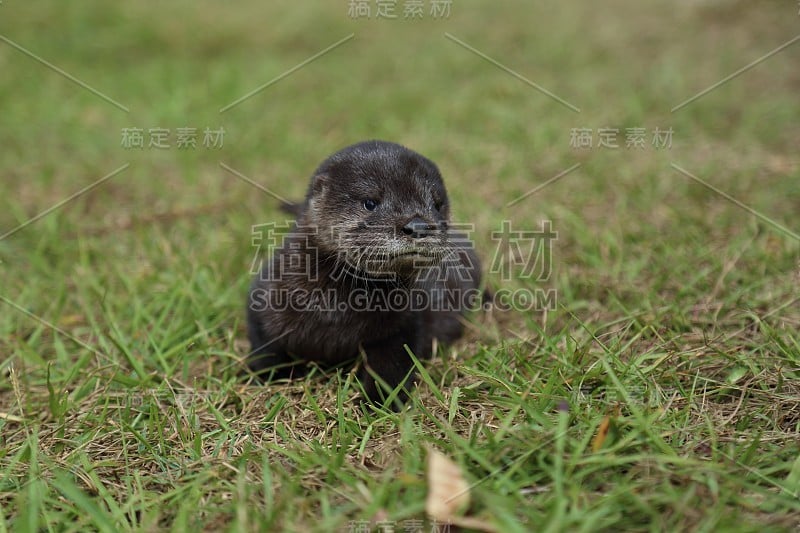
(370, 204)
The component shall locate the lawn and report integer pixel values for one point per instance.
(657, 387)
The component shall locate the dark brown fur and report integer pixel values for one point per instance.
(340, 247)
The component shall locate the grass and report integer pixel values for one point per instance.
(676, 329)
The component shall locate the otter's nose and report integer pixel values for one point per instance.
(417, 227)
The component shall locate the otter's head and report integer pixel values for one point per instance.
(381, 207)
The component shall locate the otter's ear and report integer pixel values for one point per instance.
(319, 184)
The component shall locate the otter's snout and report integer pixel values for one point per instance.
(418, 227)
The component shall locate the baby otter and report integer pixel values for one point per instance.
(371, 266)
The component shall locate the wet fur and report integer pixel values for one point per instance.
(408, 187)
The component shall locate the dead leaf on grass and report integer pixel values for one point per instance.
(449, 494)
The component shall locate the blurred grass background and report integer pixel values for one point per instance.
(150, 268)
